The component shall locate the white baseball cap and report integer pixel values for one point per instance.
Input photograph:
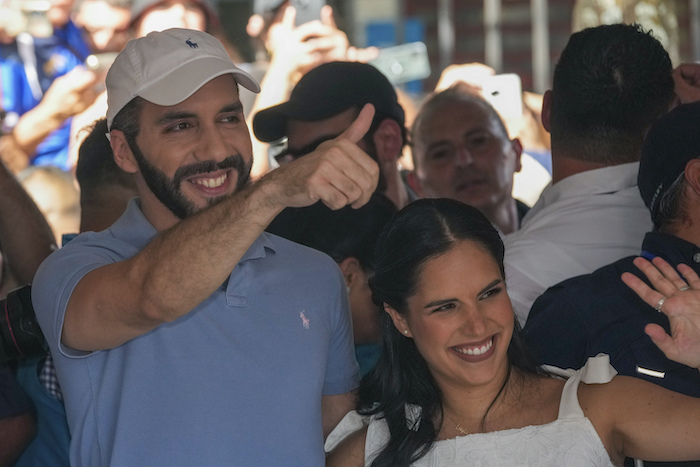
(167, 67)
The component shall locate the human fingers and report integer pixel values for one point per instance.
(650, 296)
(289, 17)
(355, 54)
(683, 344)
(360, 169)
(660, 274)
(686, 80)
(661, 339)
(357, 129)
(670, 275)
(322, 35)
(690, 72)
(473, 74)
(333, 173)
(690, 276)
(327, 16)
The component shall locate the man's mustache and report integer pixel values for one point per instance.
(231, 162)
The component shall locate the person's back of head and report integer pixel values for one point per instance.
(104, 187)
(610, 84)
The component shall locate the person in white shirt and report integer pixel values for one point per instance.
(610, 84)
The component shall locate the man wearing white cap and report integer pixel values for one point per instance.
(183, 334)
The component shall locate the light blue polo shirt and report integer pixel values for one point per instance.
(236, 382)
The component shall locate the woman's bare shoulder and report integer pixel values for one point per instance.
(350, 452)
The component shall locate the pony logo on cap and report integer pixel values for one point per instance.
(192, 45)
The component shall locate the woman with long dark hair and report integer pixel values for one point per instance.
(455, 385)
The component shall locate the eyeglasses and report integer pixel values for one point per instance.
(289, 155)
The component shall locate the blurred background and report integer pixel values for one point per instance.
(514, 36)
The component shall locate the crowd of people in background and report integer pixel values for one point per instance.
(294, 262)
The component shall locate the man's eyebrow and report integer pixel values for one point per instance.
(180, 115)
(445, 142)
(437, 144)
(172, 116)
(235, 107)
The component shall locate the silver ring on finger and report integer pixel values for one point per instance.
(685, 287)
(660, 303)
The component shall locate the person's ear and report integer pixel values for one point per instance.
(414, 183)
(692, 176)
(398, 320)
(123, 156)
(517, 147)
(547, 110)
(387, 141)
(352, 271)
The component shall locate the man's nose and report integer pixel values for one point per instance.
(213, 145)
(463, 157)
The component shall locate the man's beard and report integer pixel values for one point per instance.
(169, 191)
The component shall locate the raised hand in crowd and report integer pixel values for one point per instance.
(687, 83)
(338, 172)
(67, 96)
(676, 296)
(294, 50)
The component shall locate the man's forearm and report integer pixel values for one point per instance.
(178, 270)
(186, 263)
(25, 236)
(34, 126)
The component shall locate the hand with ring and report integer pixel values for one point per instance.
(679, 299)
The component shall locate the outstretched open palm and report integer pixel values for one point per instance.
(678, 297)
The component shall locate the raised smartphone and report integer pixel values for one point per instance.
(307, 10)
(403, 63)
(504, 93)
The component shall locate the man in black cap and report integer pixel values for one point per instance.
(324, 103)
(597, 312)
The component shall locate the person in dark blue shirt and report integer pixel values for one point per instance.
(598, 313)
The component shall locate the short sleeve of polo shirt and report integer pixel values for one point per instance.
(56, 280)
(343, 373)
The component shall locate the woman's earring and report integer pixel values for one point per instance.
(405, 331)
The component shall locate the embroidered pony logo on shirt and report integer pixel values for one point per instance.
(192, 45)
(304, 320)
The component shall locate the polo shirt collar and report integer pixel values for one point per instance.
(671, 248)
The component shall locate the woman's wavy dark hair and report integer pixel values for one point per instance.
(423, 230)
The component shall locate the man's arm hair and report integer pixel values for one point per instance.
(185, 264)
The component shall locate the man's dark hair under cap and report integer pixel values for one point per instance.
(326, 91)
(670, 144)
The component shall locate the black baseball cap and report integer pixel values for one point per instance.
(326, 91)
(671, 142)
